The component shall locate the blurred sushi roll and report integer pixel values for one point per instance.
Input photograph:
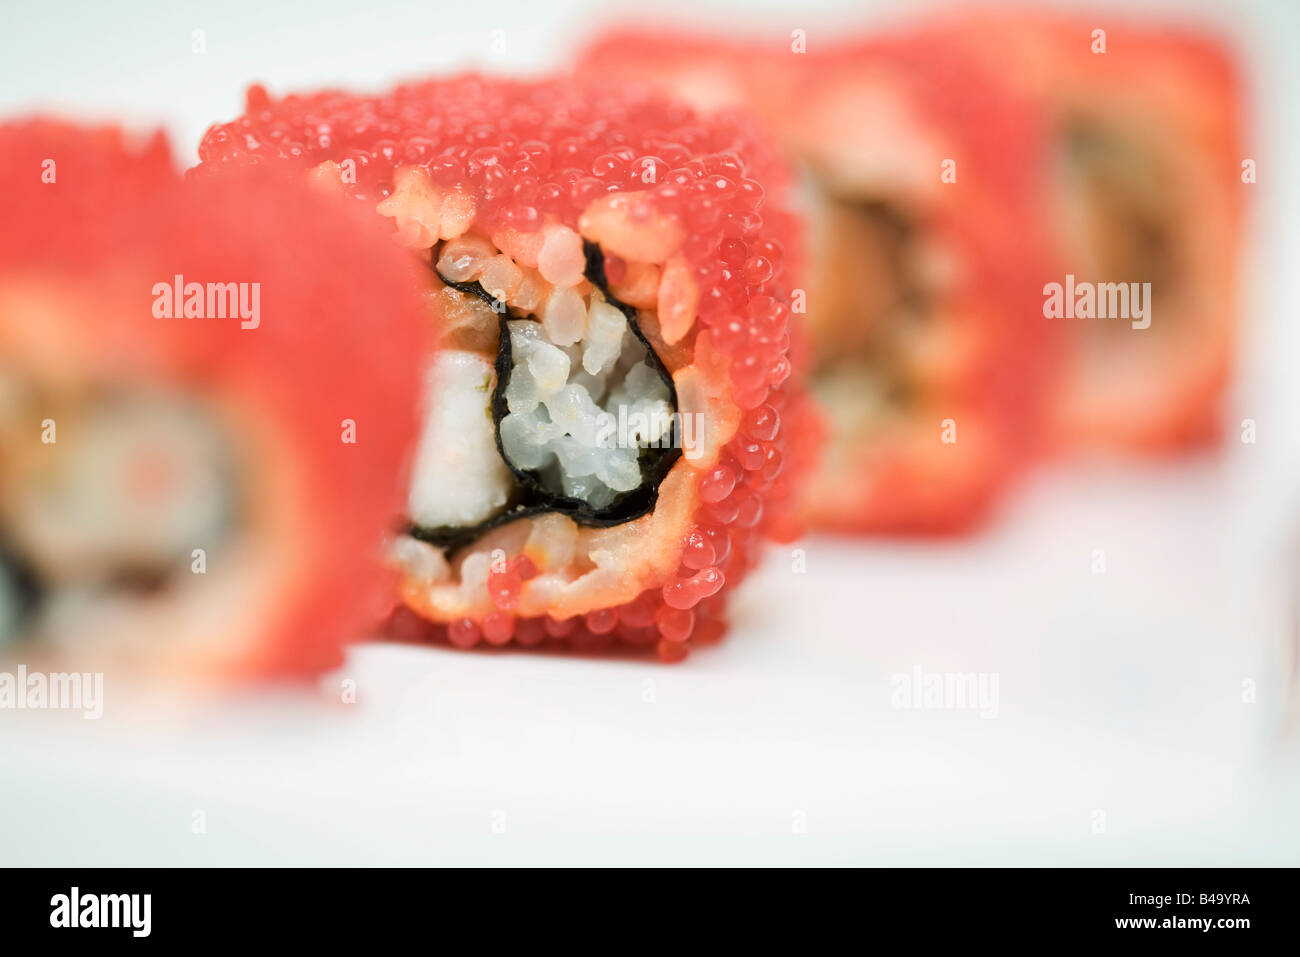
(180, 498)
(604, 429)
(922, 179)
(1147, 181)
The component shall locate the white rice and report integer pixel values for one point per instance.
(582, 400)
(459, 477)
(565, 403)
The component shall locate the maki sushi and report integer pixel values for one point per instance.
(1148, 178)
(603, 437)
(927, 348)
(179, 370)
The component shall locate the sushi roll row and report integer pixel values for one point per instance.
(953, 173)
(548, 362)
(920, 179)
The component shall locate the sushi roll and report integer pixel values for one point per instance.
(928, 352)
(204, 408)
(1148, 176)
(603, 429)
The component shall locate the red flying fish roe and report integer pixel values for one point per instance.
(1169, 105)
(537, 153)
(93, 222)
(992, 371)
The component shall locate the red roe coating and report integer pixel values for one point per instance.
(93, 216)
(993, 214)
(906, 482)
(534, 153)
(526, 150)
(1173, 100)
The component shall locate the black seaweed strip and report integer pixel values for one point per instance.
(26, 582)
(536, 500)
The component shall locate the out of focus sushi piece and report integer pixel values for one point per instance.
(205, 402)
(928, 350)
(604, 432)
(1146, 160)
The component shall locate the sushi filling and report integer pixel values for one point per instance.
(878, 300)
(110, 509)
(575, 413)
(1117, 197)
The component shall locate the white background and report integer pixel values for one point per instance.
(1118, 693)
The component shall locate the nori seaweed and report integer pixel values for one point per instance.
(655, 461)
(26, 583)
